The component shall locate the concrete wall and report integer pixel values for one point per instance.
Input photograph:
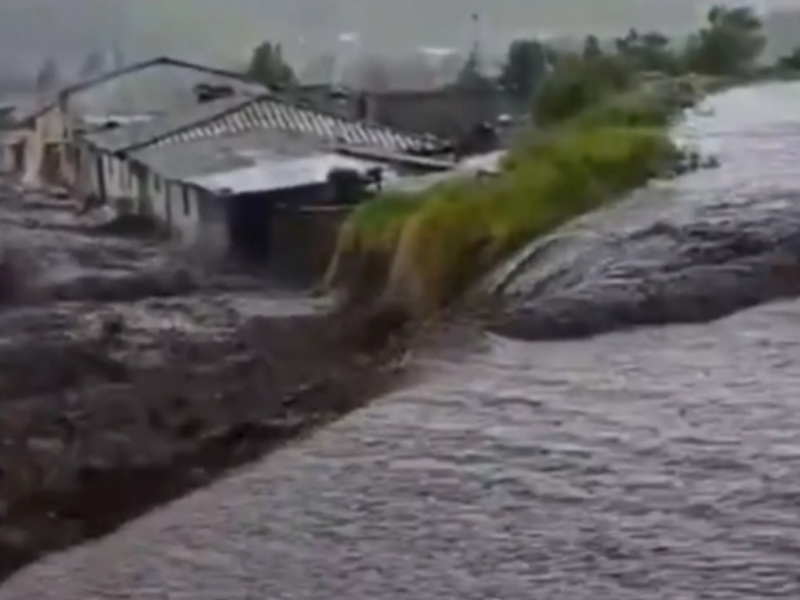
(10, 141)
(213, 234)
(182, 206)
(48, 129)
(157, 189)
(87, 180)
(195, 218)
(187, 212)
(116, 176)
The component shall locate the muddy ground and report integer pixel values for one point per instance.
(131, 373)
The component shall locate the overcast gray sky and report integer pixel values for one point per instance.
(225, 30)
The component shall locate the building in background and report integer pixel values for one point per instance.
(220, 176)
(134, 94)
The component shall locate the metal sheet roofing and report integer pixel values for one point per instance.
(271, 113)
(243, 113)
(275, 173)
(141, 135)
(202, 157)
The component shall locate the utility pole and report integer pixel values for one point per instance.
(476, 50)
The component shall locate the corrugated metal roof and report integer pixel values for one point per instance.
(211, 155)
(239, 114)
(271, 113)
(275, 173)
(142, 134)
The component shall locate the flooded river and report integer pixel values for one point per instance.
(649, 463)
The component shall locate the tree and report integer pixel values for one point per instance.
(625, 44)
(576, 83)
(267, 66)
(650, 51)
(525, 67)
(730, 43)
(591, 48)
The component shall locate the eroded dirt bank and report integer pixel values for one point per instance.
(129, 374)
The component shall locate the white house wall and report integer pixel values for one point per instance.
(48, 128)
(8, 141)
(184, 213)
(214, 228)
(121, 182)
(88, 183)
(157, 189)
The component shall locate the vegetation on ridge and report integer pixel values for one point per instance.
(602, 119)
(443, 238)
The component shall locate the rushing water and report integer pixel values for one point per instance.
(656, 463)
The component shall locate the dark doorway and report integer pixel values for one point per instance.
(51, 163)
(19, 157)
(249, 224)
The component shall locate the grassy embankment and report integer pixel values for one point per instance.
(422, 250)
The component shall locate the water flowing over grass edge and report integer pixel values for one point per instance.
(422, 250)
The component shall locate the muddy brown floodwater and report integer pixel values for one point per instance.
(130, 373)
(655, 463)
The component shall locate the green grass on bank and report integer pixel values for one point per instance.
(445, 237)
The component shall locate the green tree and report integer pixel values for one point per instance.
(576, 83)
(591, 48)
(730, 44)
(524, 69)
(267, 66)
(650, 51)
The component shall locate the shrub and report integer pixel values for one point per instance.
(448, 235)
(578, 83)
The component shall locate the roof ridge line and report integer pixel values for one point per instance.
(140, 145)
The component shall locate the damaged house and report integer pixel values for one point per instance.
(45, 148)
(238, 174)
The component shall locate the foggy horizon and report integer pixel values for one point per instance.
(31, 31)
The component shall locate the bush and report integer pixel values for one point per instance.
(377, 224)
(577, 83)
(602, 132)
(633, 109)
(445, 237)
